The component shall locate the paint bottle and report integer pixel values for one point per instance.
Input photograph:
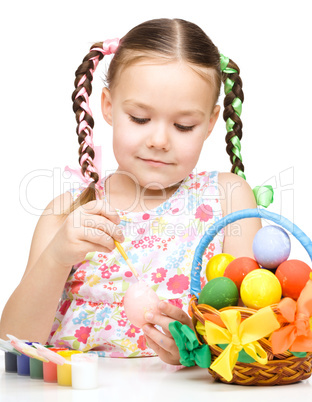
(50, 368)
(64, 372)
(85, 371)
(23, 367)
(23, 363)
(10, 362)
(10, 356)
(35, 368)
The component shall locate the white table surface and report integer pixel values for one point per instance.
(147, 380)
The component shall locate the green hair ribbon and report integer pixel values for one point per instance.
(264, 194)
(237, 106)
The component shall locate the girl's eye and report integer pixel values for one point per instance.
(138, 120)
(184, 128)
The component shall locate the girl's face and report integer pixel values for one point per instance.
(161, 115)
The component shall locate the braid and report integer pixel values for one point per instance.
(232, 111)
(85, 122)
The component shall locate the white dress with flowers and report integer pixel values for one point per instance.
(160, 243)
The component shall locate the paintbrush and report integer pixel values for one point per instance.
(129, 263)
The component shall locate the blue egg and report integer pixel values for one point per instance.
(271, 246)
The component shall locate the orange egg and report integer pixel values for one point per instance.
(239, 268)
(293, 275)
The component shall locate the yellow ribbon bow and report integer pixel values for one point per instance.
(238, 335)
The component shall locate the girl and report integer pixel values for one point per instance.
(163, 84)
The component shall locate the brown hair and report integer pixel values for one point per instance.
(167, 39)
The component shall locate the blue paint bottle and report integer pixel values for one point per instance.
(23, 367)
(23, 363)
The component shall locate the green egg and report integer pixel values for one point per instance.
(218, 293)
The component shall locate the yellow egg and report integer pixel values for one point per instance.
(217, 265)
(260, 288)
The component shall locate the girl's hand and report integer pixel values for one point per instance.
(90, 227)
(163, 343)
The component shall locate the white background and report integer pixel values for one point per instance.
(43, 43)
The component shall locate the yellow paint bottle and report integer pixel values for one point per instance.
(64, 375)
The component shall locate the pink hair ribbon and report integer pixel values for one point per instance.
(97, 163)
(109, 46)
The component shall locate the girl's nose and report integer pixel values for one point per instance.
(159, 137)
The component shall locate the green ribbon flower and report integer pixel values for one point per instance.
(191, 352)
(264, 195)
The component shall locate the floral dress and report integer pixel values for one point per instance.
(161, 244)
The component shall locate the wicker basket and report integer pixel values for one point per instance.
(280, 369)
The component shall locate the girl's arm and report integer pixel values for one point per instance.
(235, 195)
(59, 242)
(30, 310)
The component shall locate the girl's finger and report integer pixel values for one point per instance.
(101, 207)
(174, 312)
(102, 225)
(158, 341)
(92, 247)
(162, 354)
(97, 238)
(159, 319)
(91, 242)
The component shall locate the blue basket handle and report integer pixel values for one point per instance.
(233, 217)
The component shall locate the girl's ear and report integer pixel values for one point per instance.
(213, 119)
(106, 105)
